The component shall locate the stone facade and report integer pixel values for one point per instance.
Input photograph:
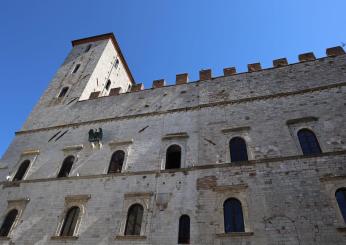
(287, 198)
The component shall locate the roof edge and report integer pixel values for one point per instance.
(106, 36)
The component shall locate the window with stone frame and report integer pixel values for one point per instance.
(173, 157)
(70, 221)
(108, 84)
(8, 222)
(134, 220)
(117, 161)
(340, 196)
(76, 68)
(238, 149)
(66, 167)
(23, 168)
(308, 142)
(63, 92)
(184, 230)
(233, 216)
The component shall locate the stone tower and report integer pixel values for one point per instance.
(244, 158)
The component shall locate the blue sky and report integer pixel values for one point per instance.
(159, 38)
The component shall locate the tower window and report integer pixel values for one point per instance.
(66, 167)
(238, 149)
(63, 92)
(116, 163)
(8, 223)
(87, 48)
(76, 68)
(340, 196)
(23, 168)
(70, 222)
(134, 220)
(233, 216)
(184, 230)
(173, 157)
(116, 63)
(108, 84)
(308, 142)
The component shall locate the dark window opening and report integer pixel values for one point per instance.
(340, 195)
(233, 216)
(66, 167)
(116, 64)
(108, 84)
(23, 168)
(173, 157)
(88, 48)
(184, 230)
(308, 142)
(76, 68)
(94, 95)
(116, 163)
(70, 222)
(134, 220)
(63, 92)
(238, 149)
(8, 223)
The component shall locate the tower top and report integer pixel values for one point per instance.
(106, 36)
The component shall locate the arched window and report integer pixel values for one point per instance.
(233, 216)
(237, 147)
(23, 168)
(66, 167)
(117, 160)
(134, 220)
(8, 222)
(70, 222)
(173, 157)
(184, 230)
(340, 196)
(63, 92)
(308, 142)
(108, 84)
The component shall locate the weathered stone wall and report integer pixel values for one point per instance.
(287, 198)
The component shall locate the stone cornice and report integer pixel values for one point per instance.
(183, 170)
(184, 109)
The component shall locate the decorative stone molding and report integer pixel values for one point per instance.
(234, 234)
(301, 120)
(138, 195)
(237, 129)
(129, 237)
(230, 188)
(181, 135)
(332, 178)
(73, 148)
(115, 143)
(77, 198)
(30, 152)
(64, 237)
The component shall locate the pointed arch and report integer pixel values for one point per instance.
(184, 230)
(233, 216)
(134, 220)
(66, 167)
(308, 142)
(238, 149)
(8, 222)
(70, 221)
(117, 161)
(173, 157)
(23, 168)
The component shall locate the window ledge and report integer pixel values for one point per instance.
(130, 237)
(64, 237)
(341, 228)
(2, 238)
(235, 234)
(11, 184)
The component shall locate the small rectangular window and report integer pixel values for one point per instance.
(76, 68)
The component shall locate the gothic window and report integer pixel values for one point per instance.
(8, 222)
(308, 142)
(63, 92)
(173, 157)
(108, 84)
(70, 222)
(233, 216)
(23, 168)
(134, 220)
(66, 167)
(117, 160)
(238, 149)
(184, 230)
(76, 68)
(340, 195)
(88, 48)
